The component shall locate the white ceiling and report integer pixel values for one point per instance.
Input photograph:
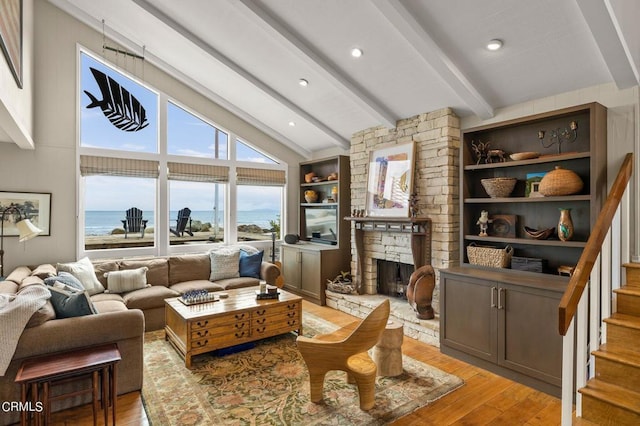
(419, 56)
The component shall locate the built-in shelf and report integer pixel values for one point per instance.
(570, 198)
(527, 241)
(540, 160)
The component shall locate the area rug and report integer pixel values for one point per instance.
(269, 385)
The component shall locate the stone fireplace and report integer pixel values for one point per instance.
(437, 141)
(393, 278)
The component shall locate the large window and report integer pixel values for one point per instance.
(212, 192)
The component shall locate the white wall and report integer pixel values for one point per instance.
(51, 167)
(16, 104)
(623, 132)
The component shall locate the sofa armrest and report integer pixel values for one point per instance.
(269, 272)
(70, 333)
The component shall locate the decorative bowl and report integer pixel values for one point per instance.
(536, 234)
(524, 155)
(499, 187)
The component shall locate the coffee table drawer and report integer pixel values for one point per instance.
(273, 328)
(215, 328)
(219, 320)
(221, 340)
(292, 307)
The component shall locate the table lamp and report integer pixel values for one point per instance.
(26, 230)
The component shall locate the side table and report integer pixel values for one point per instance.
(387, 353)
(38, 374)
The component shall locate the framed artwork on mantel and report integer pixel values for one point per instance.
(11, 36)
(390, 180)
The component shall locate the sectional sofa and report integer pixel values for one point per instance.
(122, 317)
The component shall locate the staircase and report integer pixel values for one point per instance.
(612, 397)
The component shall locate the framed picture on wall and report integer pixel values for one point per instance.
(32, 205)
(11, 36)
(390, 180)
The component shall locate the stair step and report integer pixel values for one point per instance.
(620, 367)
(633, 274)
(608, 404)
(623, 332)
(628, 300)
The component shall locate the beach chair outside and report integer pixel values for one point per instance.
(134, 222)
(184, 218)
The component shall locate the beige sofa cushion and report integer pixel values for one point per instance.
(19, 274)
(43, 271)
(8, 287)
(101, 297)
(196, 285)
(158, 273)
(242, 282)
(188, 268)
(31, 280)
(104, 306)
(102, 267)
(149, 297)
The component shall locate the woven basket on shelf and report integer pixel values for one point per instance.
(560, 182)
(489, 256)
(499, 187)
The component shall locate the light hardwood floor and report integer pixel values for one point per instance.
(484, 399)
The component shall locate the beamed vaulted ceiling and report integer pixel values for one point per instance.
(419, 56)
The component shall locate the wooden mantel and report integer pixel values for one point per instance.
(419, 228)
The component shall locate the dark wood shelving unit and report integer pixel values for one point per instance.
(514, 312)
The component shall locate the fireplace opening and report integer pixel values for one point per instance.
(393, 278)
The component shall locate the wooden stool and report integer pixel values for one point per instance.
(43, 372)
(387, 353)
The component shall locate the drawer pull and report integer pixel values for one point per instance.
(240, 316)
(239, 326)
(202, 343)
(202, 323)
(203, 333)
(292, 314)
(262, 312)
(261, 320)
(291, 306)
(292, 322)
(241, 334)
(261, 329)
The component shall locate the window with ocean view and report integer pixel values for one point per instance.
(180, 189)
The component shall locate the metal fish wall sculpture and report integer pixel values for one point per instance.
(121, 108)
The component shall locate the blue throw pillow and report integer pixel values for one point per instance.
(250, 264)
(70, 303)
(65, 278)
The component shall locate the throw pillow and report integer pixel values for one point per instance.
(225, 263)
(126, 280)
(44, 271)
(250, 264)
(64, 278)
(69, 302)
(83, 271)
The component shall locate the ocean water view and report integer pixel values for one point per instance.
(102, 222)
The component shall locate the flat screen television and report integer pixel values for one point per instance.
(321, 223)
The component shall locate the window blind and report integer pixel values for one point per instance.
(198, 172)
(265, 177)
(108, 166)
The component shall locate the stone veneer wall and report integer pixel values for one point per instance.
(436, 181)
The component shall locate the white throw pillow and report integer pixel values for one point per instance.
(126, 280)
(84, 272)
(225, 263)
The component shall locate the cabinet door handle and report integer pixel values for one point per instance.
(493, 302)
(500, 304)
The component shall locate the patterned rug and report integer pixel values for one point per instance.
(269, 385)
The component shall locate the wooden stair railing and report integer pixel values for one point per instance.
(569, 302)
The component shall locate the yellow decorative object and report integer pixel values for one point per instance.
(310, 196)
(334, 193)
(560, 182)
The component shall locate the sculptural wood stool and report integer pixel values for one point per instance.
(420, 291)
(387, 353)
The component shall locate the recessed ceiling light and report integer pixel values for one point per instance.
(494, 44)
(292, 124)
(302, 82)
(356, 52)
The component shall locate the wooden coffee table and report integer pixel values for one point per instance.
(238, 319)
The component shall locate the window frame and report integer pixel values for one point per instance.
(161, 245)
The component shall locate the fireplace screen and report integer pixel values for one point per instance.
(393, 278)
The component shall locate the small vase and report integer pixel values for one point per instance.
(565, 225)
